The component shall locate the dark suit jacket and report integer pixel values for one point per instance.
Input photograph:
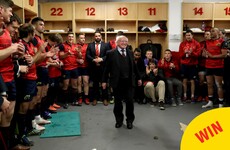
(91, 53)
(112, 67)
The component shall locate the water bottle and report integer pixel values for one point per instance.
(203, 26)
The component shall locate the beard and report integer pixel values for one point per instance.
(98, 40)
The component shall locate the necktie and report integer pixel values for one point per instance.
(123, 52)
(97, 49)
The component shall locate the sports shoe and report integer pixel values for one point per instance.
(65, 106)
(200, 98)
(79, 102)
(180, 102)
(206, 98)
(161, 105)
(52, 108)
(46, 115)
(209, 104)
(94, 102)
(221, 105)
(87, 101)
(26, 141)
(56, 105)
(111, 101)
(193, 100)
(184, 99)
(40, 120)
(173, 102)
(105, 102)
(20, 147)
(34, 132)
(36, 126)
(74, 103)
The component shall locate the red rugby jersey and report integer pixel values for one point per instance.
(70, 62)
(214, 48)
(6, 65)
(54, 71)
(32, 73)
(83, 51)
(193, 58)
(37, 42)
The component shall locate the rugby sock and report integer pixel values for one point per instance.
(5, 134)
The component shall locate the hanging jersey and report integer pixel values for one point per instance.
(112, 44)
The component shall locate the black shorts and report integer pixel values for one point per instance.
(11, 90)
(189, 72)
(43, 76)
(83, 71)
(214, 71)
(54, 82)
(201, 69)
(27, 89)
(70, 74)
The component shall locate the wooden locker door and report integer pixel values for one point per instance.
(152, 11)
(90, 11)
(197, 11)
(121, 11)
(57, 11)
(222, 11)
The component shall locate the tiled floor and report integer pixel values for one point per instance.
(99, 133)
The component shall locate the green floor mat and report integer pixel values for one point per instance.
(63, 124)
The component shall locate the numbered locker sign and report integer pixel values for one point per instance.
(95, 11)
(122, 11)
(57, 11)
(222, 11)
(31, 5)
(151, 11)
(18, 3)
(197, 11)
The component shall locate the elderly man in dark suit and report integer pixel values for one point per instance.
(123, 70)
(96, 54)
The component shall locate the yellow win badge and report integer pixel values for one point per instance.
(208, 131)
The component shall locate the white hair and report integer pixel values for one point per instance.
(120, 37)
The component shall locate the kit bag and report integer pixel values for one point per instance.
(154, 47)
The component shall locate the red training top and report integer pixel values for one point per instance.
(168, 71)
(194, 47)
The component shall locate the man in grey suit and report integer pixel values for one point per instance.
(122, 69)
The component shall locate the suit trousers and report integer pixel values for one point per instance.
(171, 82)
(150, 91)
(124, 92)
(96, 77)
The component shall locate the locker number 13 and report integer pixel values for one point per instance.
(123, 11)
